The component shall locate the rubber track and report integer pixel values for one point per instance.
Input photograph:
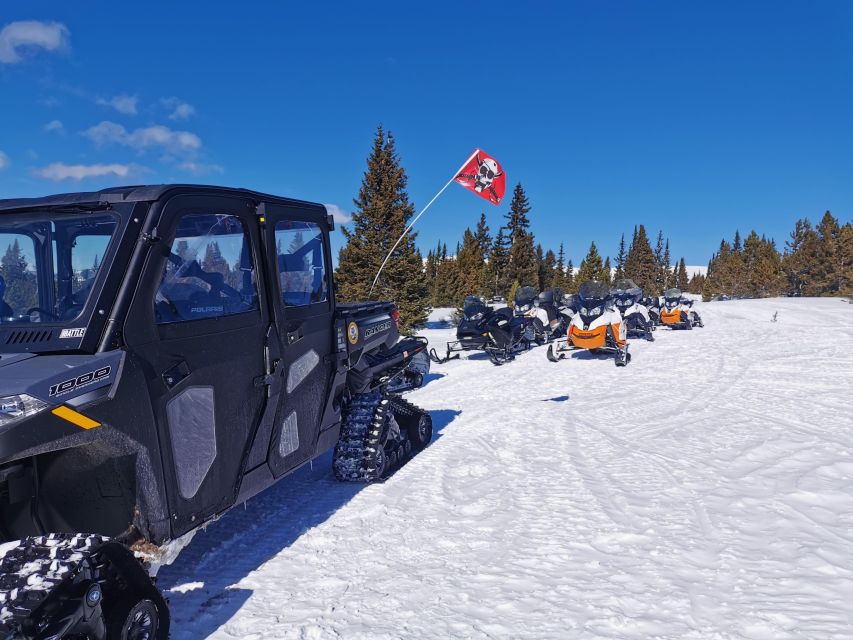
(361, 431)
(31, 568)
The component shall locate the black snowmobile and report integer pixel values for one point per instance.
(627, 297)
(495, 331)
(526, 308)
(471, 332)
(677, 311)
(199, 359)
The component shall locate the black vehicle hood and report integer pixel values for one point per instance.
(56, 379)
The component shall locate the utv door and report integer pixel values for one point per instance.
(297, 238)
(197, 326)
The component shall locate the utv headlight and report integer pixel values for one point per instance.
(14, 408)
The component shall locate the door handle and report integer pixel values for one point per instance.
(294, 334)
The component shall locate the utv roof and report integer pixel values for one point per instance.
(135, 193)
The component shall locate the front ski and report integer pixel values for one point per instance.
(439, 360)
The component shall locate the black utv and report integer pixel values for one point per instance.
(167, 352)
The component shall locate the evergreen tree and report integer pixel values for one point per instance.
(620, 260)
(640, 264)
(549, 279)
(606, 270)
(591, 267)
(522, 254)
(541, 276)
(21, 283)
(681, 279)
(844, 260)
(498, 268)
(484, 240)
(570, 282)
(382, 213)
(667, 267)
(799, 254)
(560, 269)
(469, 268)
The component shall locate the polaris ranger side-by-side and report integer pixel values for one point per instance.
(167, 352)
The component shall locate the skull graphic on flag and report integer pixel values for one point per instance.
(484, 176)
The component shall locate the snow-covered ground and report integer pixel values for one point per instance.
(703, 491)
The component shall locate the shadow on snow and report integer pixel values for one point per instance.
(228, 550)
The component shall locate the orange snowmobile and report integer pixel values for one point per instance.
(677, 312)
(596, 326)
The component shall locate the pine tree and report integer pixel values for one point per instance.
(541, 276)
(681, 279)
(469, 268)
(382, 213)
(570, 282)
(620, 260)
(826, 276)
(549, 279)
(498, 268)
(606, 270)
(640, 264)
(799, 255)
(522, 254)
(560, 269)
(845, 260)
(591, 267)
(666, 267)
(484, 240)
(21, 283)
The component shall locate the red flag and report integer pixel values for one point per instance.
(483, 176)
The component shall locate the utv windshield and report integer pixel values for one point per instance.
(49, 263)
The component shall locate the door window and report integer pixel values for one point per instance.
(209, 272)
(301, 265)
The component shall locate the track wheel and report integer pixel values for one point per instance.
(134, 619)
(421, 435)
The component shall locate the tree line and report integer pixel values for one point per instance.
(816, 261)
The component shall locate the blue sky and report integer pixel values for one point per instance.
(695, 119)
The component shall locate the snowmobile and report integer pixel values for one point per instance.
(677, 312)
(652, 303)
(201, 358)
(525, 307)
(597, 327)
(553, 314)
(471, 332)
(497, 332)
(627, 298)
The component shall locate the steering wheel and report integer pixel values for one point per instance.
(42, 312)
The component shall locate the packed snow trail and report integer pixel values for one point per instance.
(703, 491)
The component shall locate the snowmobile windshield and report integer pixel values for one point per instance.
(593, 291)
(474, 308)
(672, 297)
(50, 263)
(525, 296)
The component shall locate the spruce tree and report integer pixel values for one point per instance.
(549, 271)
(681, 278)
(620, 260)
(484, 240)
(541, 276)
(667, 267)
(570, 283)
(606, 270)
(469, 268)
(844, 260)
(382, 212)
(522, 254)
(21, 283)
(498, 268)
(560, 269)
(640, 264)
(591, 267)
(799, 253)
